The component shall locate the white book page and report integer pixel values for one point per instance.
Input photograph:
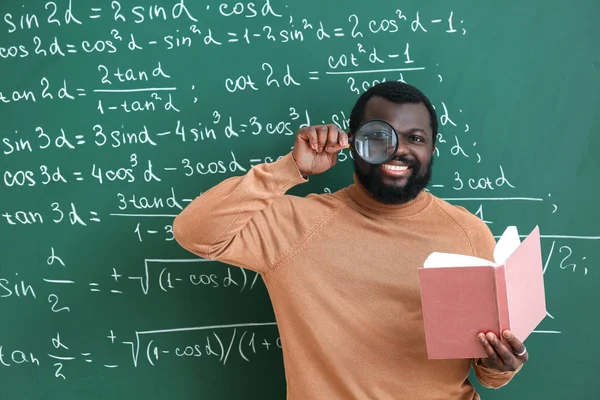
(442, 260)
(507, 244)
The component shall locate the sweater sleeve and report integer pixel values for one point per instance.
(246, 220)
(490, 378)
(484, 244)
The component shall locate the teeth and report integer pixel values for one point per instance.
(395, 167)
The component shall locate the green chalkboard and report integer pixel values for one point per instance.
(115, 114)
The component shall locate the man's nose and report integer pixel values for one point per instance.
(402, 149)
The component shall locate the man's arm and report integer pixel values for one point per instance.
(502, 364)
(247, 221)
(235, 221)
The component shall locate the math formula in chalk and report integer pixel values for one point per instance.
(118, 114)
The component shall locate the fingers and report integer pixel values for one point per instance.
(321, 137)
(492, 356)
(336, 139)
(324, 137)
(309, 135)
(501, 355)
(508, 357)
(517, 347)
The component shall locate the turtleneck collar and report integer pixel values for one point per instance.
(365, 201)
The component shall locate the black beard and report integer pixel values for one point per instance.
(389, 194)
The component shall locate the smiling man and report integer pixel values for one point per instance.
(409, 171)
(342, 268)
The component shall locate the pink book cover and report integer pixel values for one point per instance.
(463, 295)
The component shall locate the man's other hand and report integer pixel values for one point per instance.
(503, 356)
(316, 148)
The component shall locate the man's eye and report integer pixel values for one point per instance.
(379, 135)
(417, 139)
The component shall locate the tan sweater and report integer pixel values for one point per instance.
(341, 271)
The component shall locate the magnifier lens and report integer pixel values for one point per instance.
(375, 142)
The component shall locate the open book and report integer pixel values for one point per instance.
(463, 295)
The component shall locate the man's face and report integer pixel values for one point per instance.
(391, 183)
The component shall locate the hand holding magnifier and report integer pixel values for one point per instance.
(316, 147)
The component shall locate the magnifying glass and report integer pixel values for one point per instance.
(376, 141)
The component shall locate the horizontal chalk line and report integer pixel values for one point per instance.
(205, 328)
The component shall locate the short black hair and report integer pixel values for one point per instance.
(397, 92)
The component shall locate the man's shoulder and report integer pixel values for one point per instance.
(313, 200)
(474, 228)
(460, 214)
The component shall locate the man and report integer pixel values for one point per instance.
(342, 268)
